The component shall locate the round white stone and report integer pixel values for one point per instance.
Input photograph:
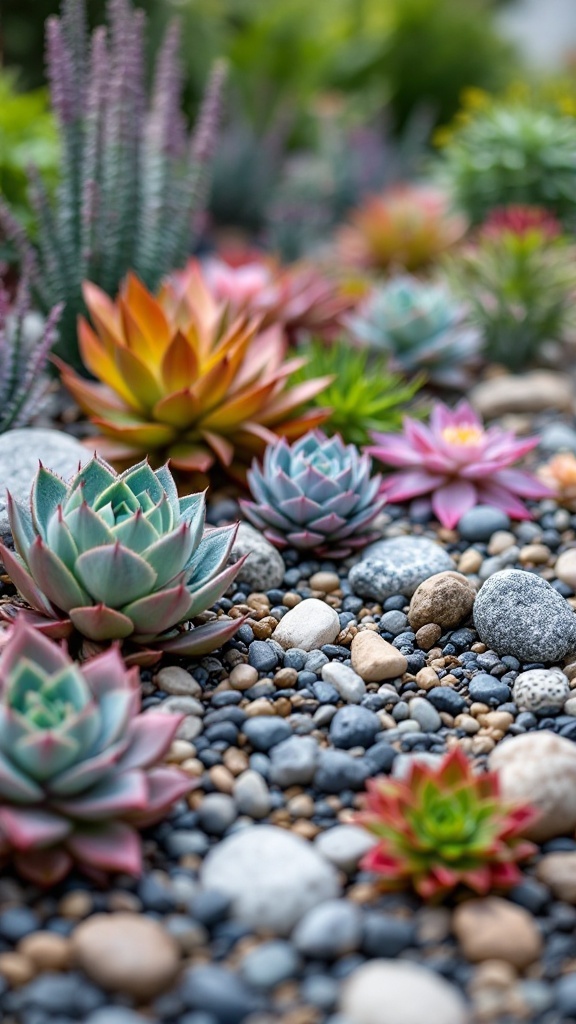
(309, 625)
(272, 877)
(540, 768)
(541, 689)
(395, 992)
(345, 845)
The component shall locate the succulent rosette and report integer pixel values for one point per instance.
(120, 557)
(79, 770)
(444, 827)
(180, 377)
(460, 463)
(317, 494)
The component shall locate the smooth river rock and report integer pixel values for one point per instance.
(272, 877)
(519, 613)
(127, 953)
(446, 598)
(540, 768)
(264, 568)
(495, 929)
(309, 625)
(398, 992)
(397, 566)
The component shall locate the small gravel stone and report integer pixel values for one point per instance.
(385, 935)
(294, 761)
(128, 953)
(541, 691)
(479, 523)
(397, 566)
(177, 682)
(344, 845)
(565, 568)
(337, 771)
(495, 929)
(270, 964)
(116, 1015)
(374, 659)
(216, 813)
(354, 726)
(565, 995)
(488, 689)
(264, 731)
(271, 876)
(424, 712)
(519, 613)
(219, 992)
(398, 992)
(262, 656)
(350, 686)
(309, 625)
(330, 930)
(264, 568)
(48, 951)
(446, 598)
(540, 768)
(444, 698)
(251, 795)
(242, 677)
(558, 872)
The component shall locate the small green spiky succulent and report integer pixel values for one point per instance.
(79, 771)
(444, 827)
(364, 396)
(120, 557)
(315, 495)
(422, 327)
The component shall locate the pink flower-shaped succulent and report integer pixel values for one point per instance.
(459, 462)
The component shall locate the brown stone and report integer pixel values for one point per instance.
(558, 871)
(16, 969)
(428, 635)
(446, 599)
(242, 677)
(325, 581)
(48, 951)
(375, 659)
(128, 953)
(494, 929)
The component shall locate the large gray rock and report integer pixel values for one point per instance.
(518, 613)
(264, 568)
(397, 566)
(20, 453)
(271, 876)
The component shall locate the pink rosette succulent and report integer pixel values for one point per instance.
(459, 462)
(79, 766)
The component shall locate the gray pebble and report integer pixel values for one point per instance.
(337, 771)
(354, 726)
(346, 681)
(251, 794)
(519, 613)
(344, 845)
(397, 566)
(479, 523)
(216, 813)
(294, 761)
(264, 568)
(329, 930)
(270, 964)
(423, 712)
(265, 731)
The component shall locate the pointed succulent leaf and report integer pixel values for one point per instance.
(59, 585)
(114, 575)
(201, 639)
(97, 622)
(114, 847)
(48, 491)
(30, 827)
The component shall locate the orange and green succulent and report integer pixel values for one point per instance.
(443, 827)
(179, 378)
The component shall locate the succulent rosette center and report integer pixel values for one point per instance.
(121, 557)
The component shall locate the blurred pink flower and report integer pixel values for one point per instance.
(459, 462)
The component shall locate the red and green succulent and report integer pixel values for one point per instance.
(79, 772)
(443, 827)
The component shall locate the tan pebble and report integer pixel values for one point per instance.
(558, 871)
(477, 708)
(375, 659)
(478, 648)
(482, 745)
(565, 567)
(569, 670)
(301, 806)
(326, 581)
(127, 953)
(466, 722)
(192, 766)
(470, 561)
(257, 599)
(428, 635)
(445, 599)
(537, 554)
(259, 707)
(177, 682)
(16, 969)
(386, 720)
(283, 707)
(48, 951)
(75, 904)
(433, 924)
(180, 750)
(499, 720)
(263, 630)
(446, 719)
(449, 680)
(243, 677)
(496, 973)
(235, 760)
(427, 678)
(305, 828)
(291, 599)
(221, 778)
(494, 929)
(285, 678)
(500, 541)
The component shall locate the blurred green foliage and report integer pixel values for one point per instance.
(27, 136)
